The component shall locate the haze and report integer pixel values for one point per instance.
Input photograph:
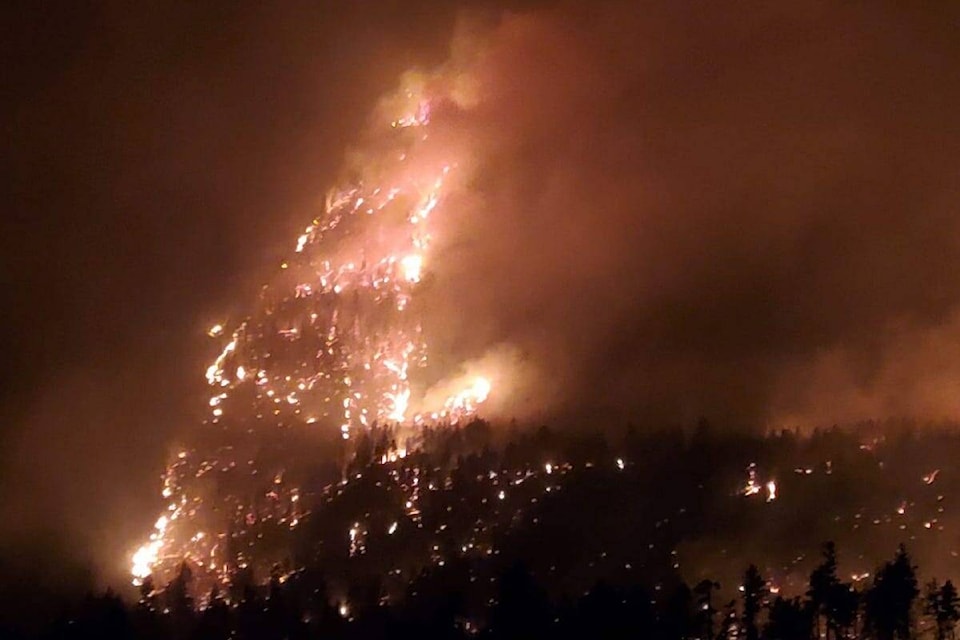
(674, 211)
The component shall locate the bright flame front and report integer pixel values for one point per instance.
(334, 341)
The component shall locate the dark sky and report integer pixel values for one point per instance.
(747, 212)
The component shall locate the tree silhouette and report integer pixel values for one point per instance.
(177, 593)
(104, 616)
(890, 600)
(705, 610)
(522, 609)
(754, 591)
(823, 585)
(677, 619)
(842, 606)
(789, 620)
(249, 615)
(943, 604)
(148, 595)
(214, 621)
(610, 613)
(729, 627)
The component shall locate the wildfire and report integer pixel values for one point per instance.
(411, 268)
(146, 556)
(333, 340)
(771, 490)
(754, 486)
(467, 400)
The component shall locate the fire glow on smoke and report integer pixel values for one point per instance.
(336, 340)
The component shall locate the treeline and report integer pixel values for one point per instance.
(891, 607)
(529, 532)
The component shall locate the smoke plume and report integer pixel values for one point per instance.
(744, 214)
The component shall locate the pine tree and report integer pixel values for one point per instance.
(754, 590)
(842, 608)
(729, 624)
(889, 602)
(789, 620)
(823, 583)
(705, 610)
(943, 605)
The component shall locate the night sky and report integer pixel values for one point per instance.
(675, 210)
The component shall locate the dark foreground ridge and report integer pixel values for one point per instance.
(435, 606)
(524, 534)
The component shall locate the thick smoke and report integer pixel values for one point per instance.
(746, 214)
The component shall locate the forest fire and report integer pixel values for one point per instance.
(610, 319)
(335, 341)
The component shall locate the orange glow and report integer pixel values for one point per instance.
(361, 367)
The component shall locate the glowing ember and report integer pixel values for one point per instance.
(146, 556)
(752, 487)
(411, 268)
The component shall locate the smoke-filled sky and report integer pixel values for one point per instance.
(746, 212)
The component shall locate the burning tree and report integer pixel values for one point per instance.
(331, 348)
